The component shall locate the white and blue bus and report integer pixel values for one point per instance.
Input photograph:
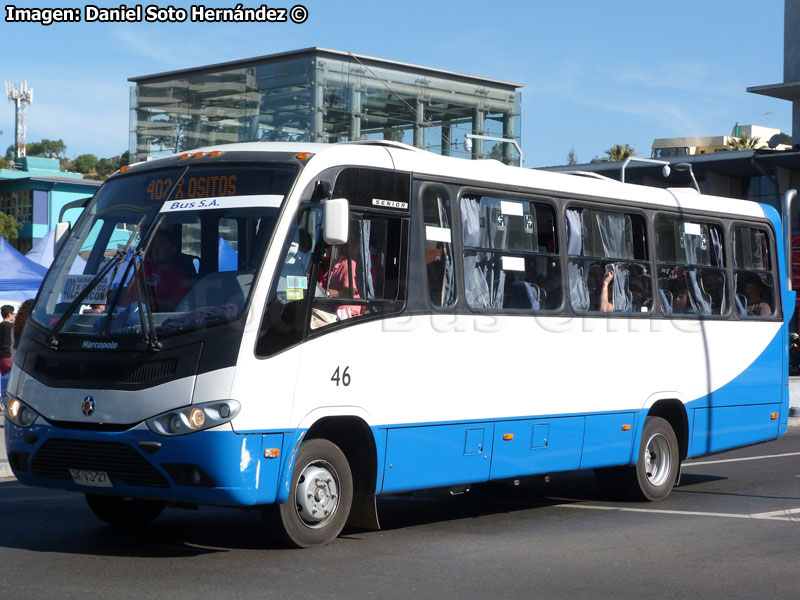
(300, 328)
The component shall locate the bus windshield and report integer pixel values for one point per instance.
(165, 251)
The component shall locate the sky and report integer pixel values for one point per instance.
(594, 73)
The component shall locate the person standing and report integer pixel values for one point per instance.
(6, 343)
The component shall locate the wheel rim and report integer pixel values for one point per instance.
(657, 460)
(317, 494)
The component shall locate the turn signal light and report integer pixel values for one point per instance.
(303, 155)
(626, 427)
(272, 453)
(507, 437)
(773, 416)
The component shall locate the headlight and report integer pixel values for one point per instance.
(194, 418)
(20, 414)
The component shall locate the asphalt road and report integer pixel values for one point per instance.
(732, 530)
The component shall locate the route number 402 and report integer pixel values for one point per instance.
(344, 378)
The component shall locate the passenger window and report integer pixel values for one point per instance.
(510, 254)
(438, 246)
(363, 276)
(608, 268)
(752, 278)
(691, 267)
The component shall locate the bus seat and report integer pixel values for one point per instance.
(525, 295)
(666, 300)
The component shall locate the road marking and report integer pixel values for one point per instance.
(729, 460)
(771, 516)
(776, 513)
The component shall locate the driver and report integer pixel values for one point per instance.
(168, 274)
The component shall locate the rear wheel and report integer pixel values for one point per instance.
(320, 497)
(656, 469)
(124, 512)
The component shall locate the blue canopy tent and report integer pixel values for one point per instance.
(228, 257)
(20, 277)
(42, 253)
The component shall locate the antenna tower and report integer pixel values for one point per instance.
(20, 96)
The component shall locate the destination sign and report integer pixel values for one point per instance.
(191, 188)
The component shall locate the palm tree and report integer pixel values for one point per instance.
(619, 152)
(743, 142)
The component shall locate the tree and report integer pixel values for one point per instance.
(108, 166)
(44, 148)
(9, 228)
(743, 142)
(618, 153)
(571, 158)
(85, 163)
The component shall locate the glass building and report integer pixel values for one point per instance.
(319, 95)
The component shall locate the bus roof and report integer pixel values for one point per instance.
(409, 158)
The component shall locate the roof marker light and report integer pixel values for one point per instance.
(215, 153)
(184, 155)
(303, 155)
(124, 168)
(198, 154)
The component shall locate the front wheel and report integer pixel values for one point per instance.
(124, 512)
(320, 497)
(656, 469)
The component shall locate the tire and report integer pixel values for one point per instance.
(124, 512)
(656, 469)
(320, 497)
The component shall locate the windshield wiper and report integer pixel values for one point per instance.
(148, 327)
(52, 337)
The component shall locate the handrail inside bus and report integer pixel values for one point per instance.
(788, 197)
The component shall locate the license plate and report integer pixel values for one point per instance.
(91, 478)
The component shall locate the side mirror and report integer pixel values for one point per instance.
(62, 229)
(336, 221)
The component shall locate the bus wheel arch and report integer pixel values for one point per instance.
(673, 412)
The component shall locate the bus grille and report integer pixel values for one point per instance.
(120, 461)
(110, 372)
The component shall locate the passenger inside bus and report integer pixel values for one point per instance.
(168, 274)
(758, 304)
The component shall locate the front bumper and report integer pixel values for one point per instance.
(216, 466)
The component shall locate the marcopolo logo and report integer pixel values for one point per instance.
(87, 345)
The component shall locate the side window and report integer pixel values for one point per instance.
(752, 278)
(691, 266)
(285, 316)
(363, 276)
(608, 262)
(438, 246)
(510, 254)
